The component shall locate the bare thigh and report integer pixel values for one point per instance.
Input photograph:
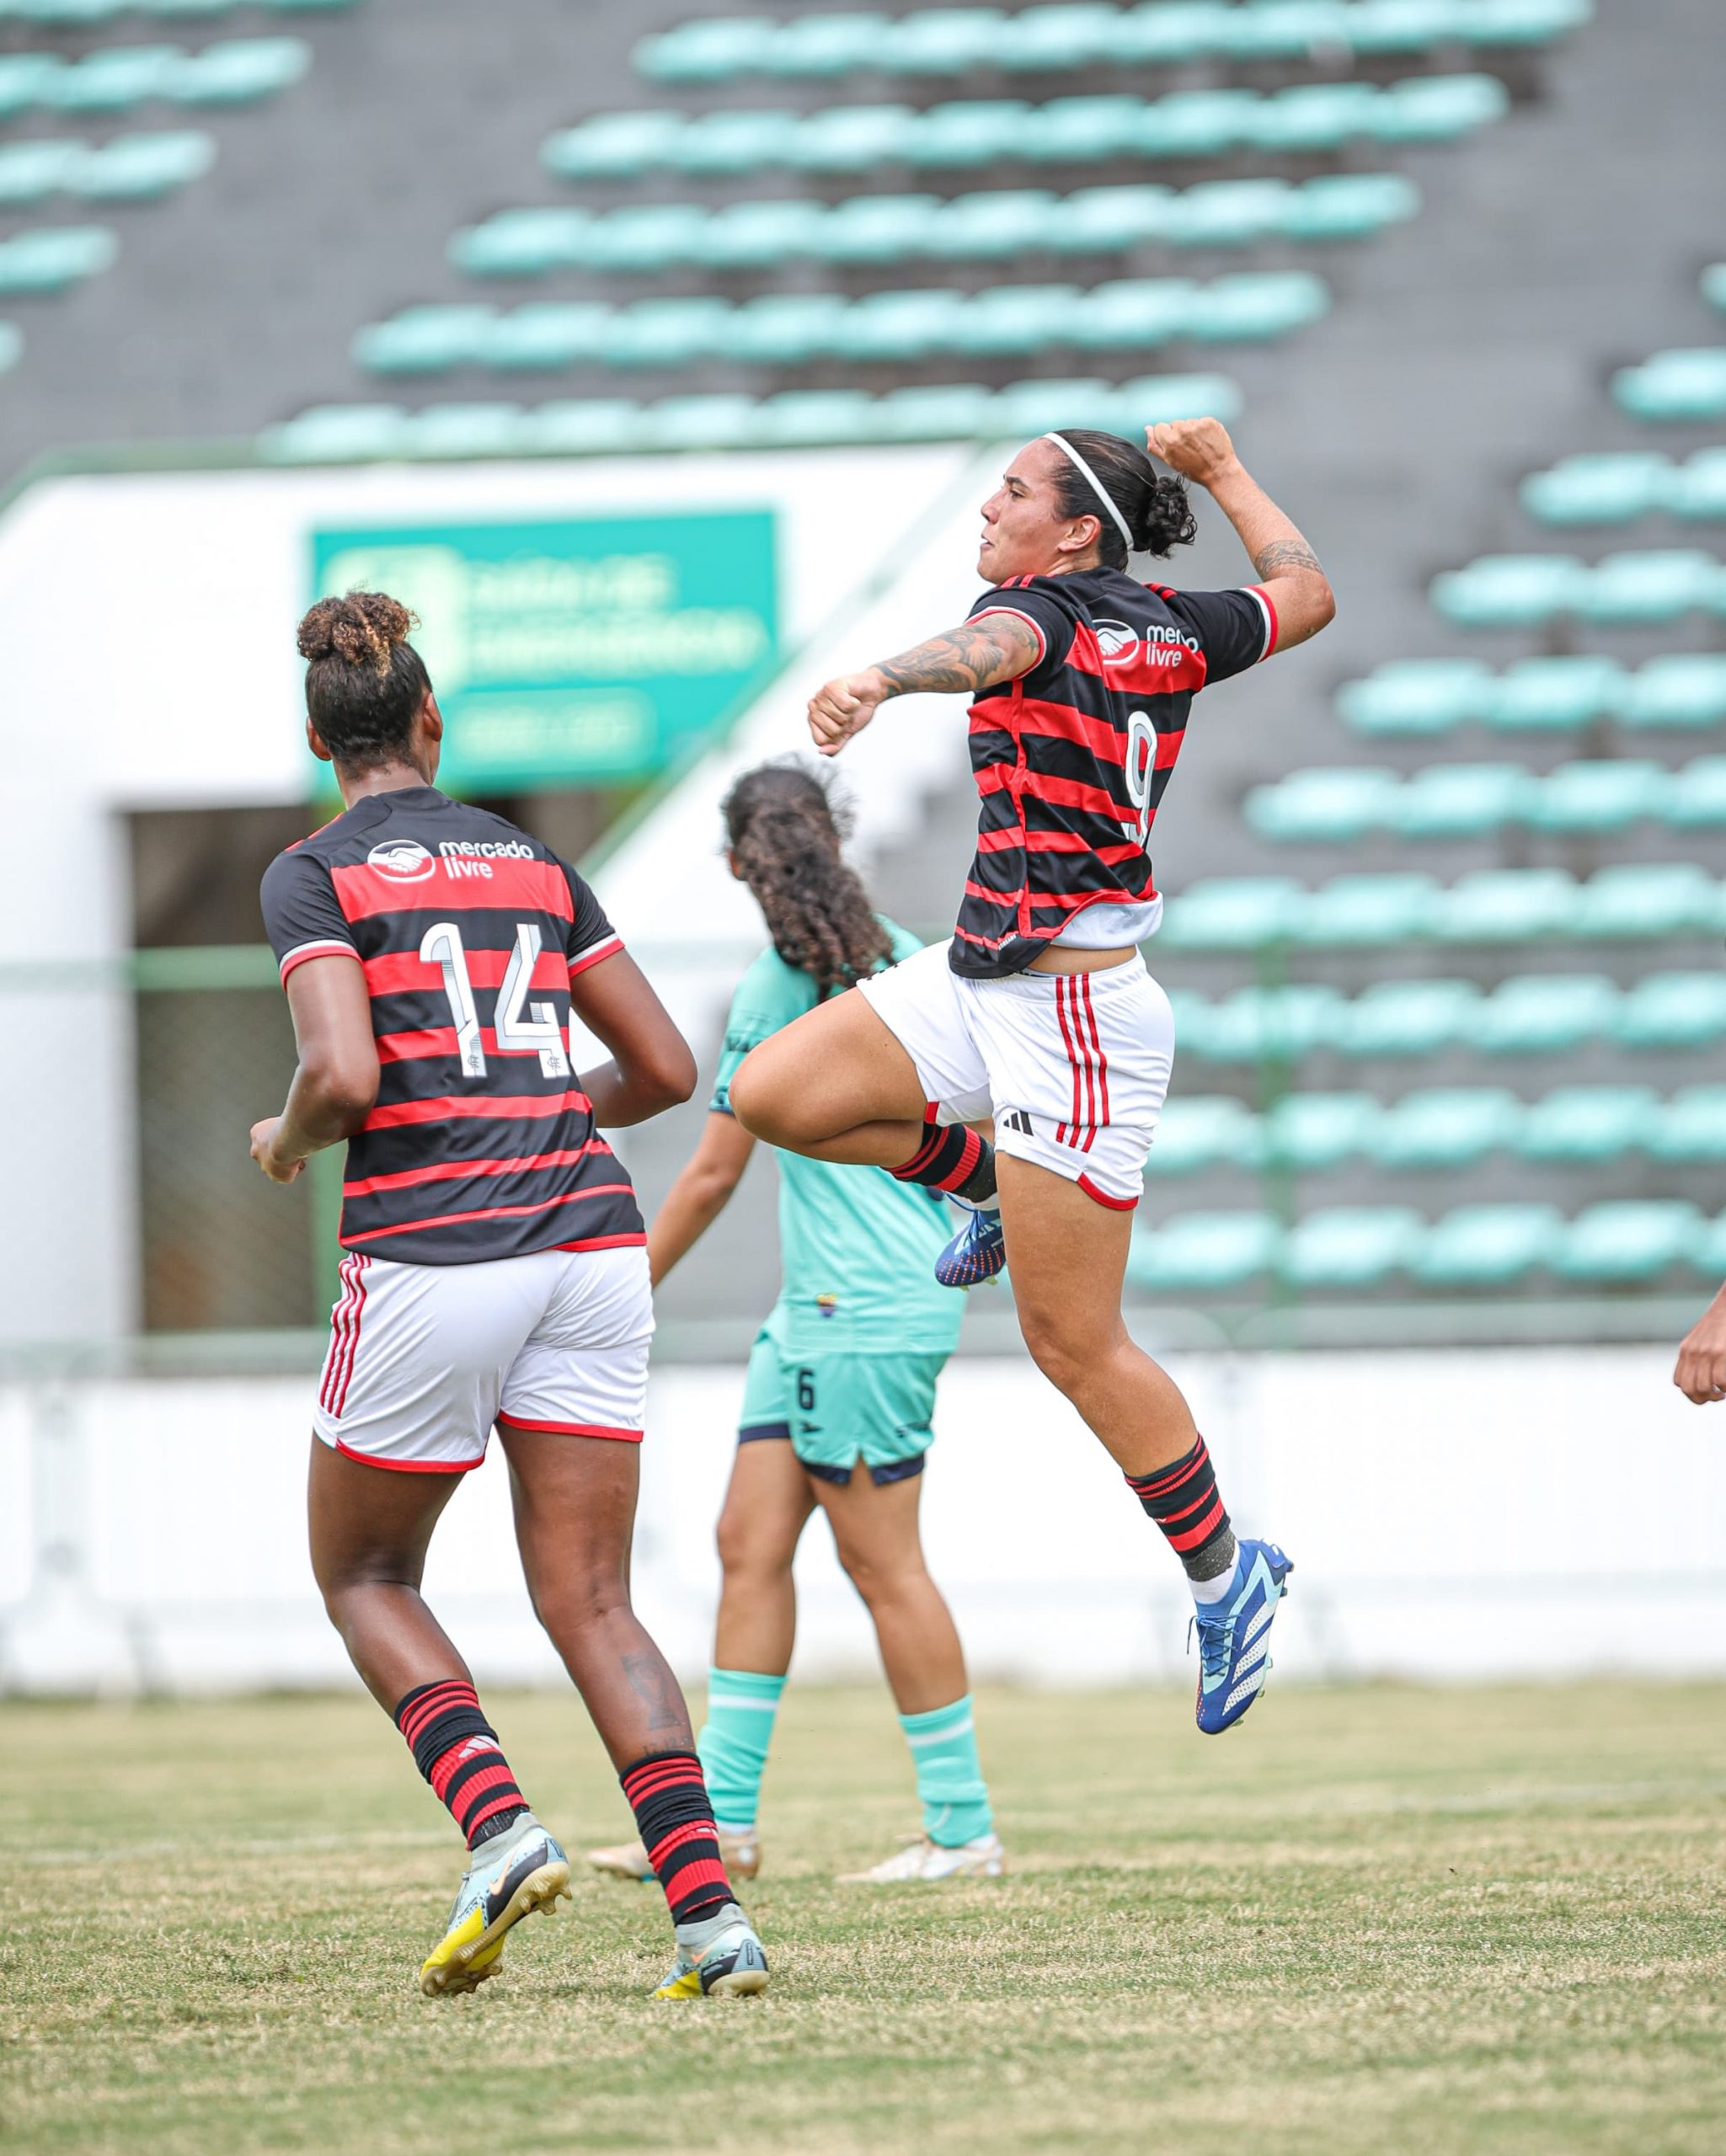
(835, 1083)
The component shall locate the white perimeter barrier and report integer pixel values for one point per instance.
(1488, 1514)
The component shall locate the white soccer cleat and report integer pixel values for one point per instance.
(923, 1863)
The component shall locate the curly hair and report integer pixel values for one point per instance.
(784, 832)
(1154, 503)
(364, 681)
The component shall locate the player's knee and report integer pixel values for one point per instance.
(1067, 1359)
(747, 1552)
(569, 1606)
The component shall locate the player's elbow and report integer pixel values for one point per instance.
(344, 1088)
(1320, 607)
(666, 1077)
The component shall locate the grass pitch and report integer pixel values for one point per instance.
(1374, 1920)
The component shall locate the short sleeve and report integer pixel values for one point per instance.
(1236, 629)
(1050, 620)
(302, 917)
(769, 996)
(591, 934)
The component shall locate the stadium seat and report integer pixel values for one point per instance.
(969, 134)
(1407, 1017)
(1679, 385)
(1445, 1127)
(427, 339)
(1321, 806)
(1697, 489)
(520, 243)
(1075, 34)
(615, 145)
(664, 333)
(1196, 1252)
(1367, 910)
(1201, 1133)
(336, 434)
(30, 172)
(1685, 689)
(1544, 1014)
(718, 144)
(462, 431)
(1489, 1246)
(1673, 1011)
(547, 337)
(896, 325)
(1351, 1245)
(11, 346)
(1627, 1241)
(782, 328)
(1457, 800)
(1511, 591)
(1506, 905)
(1695, 796)
(849, 138)
(1233, 913)
(795, 417)
(1316, 116)
(1598, 489)
(242, 71)
(815, 46)
(1014, 319)
(1691, 1126)
(1348, 206)
(1437, 108)
(1141, 311)
(141, 168)
(54, 258)
(1659, 585)
(1255, 309)
(114, 81)
(1598, 797)
(1554, 695)
(1257, 1025)
(945, 41)
(1665, 899)
(1712, 283)
(1310, 1132)
(1591, 1124)
(712, 420)
(999, 225)
(1416, 696)
(588, 427)
(712, 51)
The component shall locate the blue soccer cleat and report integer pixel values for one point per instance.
(976, 1253)
(1234, 1635)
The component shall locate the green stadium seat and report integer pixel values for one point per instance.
(11, 346)
(427, 339)
(1684, 689)
(1321, 806)
(522, 244)
(242, 71)
(1437, 108)
(952, 412)
(1252, 309)
(1014, 319)
(1457, 800)
(1663, 898)
(1524, 22)
(1696, 797)
(1103, 220)
(1402, 25)
(1712, 283)
(1314, 117)
(1367, 910)
(1034, 407)
(1085, 130)
(850, 138)
(336, 434)
(584, 427)
(1311, 1132)
(1691, 1126)
(1350, 206)
(30, 172)
(1591, 1124)
(784, 328)
(1407, 1018)
(1200, 1252)
(814, 45)
(1544, 1014)
(54, 258)
(1416, 696)
(1628, 1242)
(551, 336)
(114, 81)
(1199, 123)
(1074, 33)
(875, 227)
(1554, 695)
(665, 333)
(1599, 489)
(1697, 489)
(24, 80)
(717, 420)
(795, 417)
(760, 235)
(1511, 591)
(141, 168)
(981, 227)
(1508, 905)
(1490, 1246)
(1257, 1025)
(1351, 1245)
(1673, 1011)
(1239, 913)
(1659, 585)
(1203, 1132)
(897, 325)
(653, 236)
(616, 145)
(1707, 1251)
(1152, 399)
(719, 143)
(1227, 213)
(1132, 311)
(1598, 796)
(1166, 33)
(970, 133)
(1679, 385)
(945, 41)
(1446, 1126)
(467, 429)
(706, 51)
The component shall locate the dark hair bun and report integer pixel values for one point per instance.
(1164, 517)
(362, 630)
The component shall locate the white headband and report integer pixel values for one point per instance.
(1097, 485)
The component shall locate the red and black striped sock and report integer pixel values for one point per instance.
(954, 1160)
(1184, 1500)
(675, 1819)
(456, 1750)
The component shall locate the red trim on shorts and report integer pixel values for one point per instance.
(1103, 1197)
(360, 1265)
(411, 1466)
(573, 1429)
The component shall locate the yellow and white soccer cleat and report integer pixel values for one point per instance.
(509, 1877)
(923, 1862)
(719, 1959)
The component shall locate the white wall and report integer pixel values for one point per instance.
(1482, 1514)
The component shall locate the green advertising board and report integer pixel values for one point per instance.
(583, 652)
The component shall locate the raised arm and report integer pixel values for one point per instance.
(978, 654)
(1200, 451)
(700, 1194)
(651, 1068)
(335, 1082)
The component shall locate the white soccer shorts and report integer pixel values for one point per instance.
(425, 1359)
(1073, 1067)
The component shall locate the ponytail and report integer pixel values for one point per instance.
(785, 837)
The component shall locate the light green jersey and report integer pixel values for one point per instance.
(857, 1249)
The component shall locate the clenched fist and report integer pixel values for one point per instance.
(265, 1154)
(844, 707)
(1199, 450)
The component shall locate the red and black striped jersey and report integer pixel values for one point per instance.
(482, 1144)
(1072, 759)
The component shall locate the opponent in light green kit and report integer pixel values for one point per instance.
(841, 1390)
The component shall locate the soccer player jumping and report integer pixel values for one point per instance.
(496, 1272)
(1041, 1012)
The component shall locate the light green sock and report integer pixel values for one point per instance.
(950, 1785)
(733, 1744)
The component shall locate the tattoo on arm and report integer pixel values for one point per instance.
(1285, 556)
(998, 648)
